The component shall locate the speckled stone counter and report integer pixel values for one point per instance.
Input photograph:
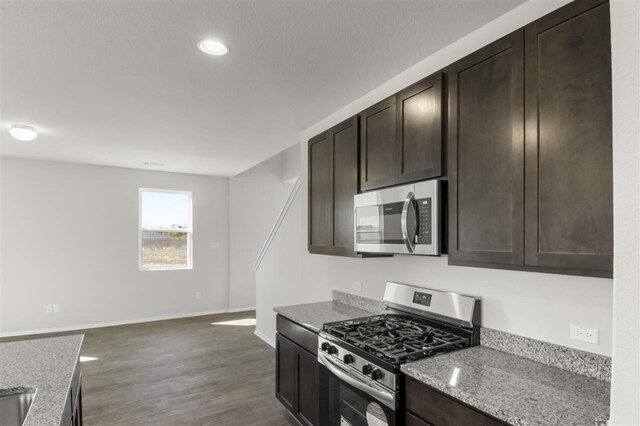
(585, 363)
(46, 365)
(371, 305)
(513, 389)
(313, 315)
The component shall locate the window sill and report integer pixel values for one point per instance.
(182, 268)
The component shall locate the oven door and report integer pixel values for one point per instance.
(349, 400)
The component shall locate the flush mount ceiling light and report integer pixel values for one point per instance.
(22, 132)
(213, 47)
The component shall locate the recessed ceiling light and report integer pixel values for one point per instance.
(154, 164)
(23, 132)
(213, 47)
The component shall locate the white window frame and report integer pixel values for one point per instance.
(189, 231)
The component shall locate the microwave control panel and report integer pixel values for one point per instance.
(425, 210)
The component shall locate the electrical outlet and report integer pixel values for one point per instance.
(48, 309)
(586, 334)
(198, 295)
(357, 285)
(56, 308)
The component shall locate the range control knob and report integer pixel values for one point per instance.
(324, 346)
(366, 369)
(348, 359)
(332, 350)
(376, 374)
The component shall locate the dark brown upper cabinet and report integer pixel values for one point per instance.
(378, 147)
(401, 137)
(486, 155)
(333, 181)
(569, 173)
(320, 183)
(530, 148)
(419, 130)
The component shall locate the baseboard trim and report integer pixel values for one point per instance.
(124, 322)
(248, 308)
(270, 342)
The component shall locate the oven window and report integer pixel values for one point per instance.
(348, 406)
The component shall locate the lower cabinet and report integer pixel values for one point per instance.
(72, 414)
(412, 420)
(426, 406)
(297, 372)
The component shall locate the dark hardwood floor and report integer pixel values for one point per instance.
(179, 372)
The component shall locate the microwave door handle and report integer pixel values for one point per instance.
(386, 398)
(403, 222)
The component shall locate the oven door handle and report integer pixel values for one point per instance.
(403, 222)
(385, 397)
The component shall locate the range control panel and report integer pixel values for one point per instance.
(422, 298)
(358, 366)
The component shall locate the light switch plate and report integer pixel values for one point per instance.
(357, 286)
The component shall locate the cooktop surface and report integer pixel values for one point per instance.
(398, 338)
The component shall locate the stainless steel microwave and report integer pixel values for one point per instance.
(403, 219)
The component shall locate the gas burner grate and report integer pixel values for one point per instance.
(397, 338)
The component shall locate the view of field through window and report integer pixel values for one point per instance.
(165, 230)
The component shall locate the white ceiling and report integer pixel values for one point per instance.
(122, 82)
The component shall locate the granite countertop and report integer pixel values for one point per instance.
(513, 389)
(313, 315)
(46, 365)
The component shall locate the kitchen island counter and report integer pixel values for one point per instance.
(46, 365)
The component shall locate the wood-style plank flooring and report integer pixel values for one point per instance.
(179, 372)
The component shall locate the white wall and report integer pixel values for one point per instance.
(256, 197)
(539, 306)
(625, 382)
(281, 268)
(1, 269)
(70, 236)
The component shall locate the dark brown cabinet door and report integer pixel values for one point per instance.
(414, 420)
(401, 136)
(72, 413)
(569, 201)
(286, 374)
(308, 388)
(344, 145)
(333, 181)
(486, 155)
(320, 193)
(419, 130)
(429, 406)
(378, 147)
(297, 371)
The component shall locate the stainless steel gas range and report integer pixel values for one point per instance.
(360, 359)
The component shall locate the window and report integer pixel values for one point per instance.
(165, 230)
